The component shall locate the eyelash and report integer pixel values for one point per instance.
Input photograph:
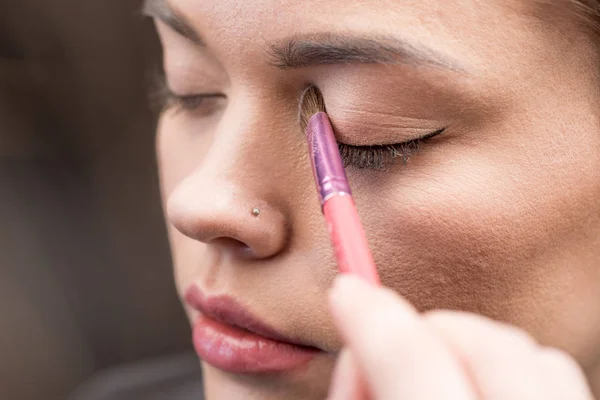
(380, 157)
(197, 103)
(191, 102)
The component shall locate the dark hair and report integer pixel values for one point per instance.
(588, 11)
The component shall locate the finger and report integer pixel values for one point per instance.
(562, 376)
(398, 355)
(500, 359)
(347, 384)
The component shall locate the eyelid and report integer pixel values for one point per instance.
(421, 137)
(365, 128)
(192, 97)
(379, 116)
(164, 98)
(191, 102)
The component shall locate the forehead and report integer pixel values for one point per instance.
(238, 27)
(273, 15)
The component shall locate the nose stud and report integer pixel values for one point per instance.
(255, 212)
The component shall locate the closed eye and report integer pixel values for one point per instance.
(192, 102)
(199, 103)
(380, 157)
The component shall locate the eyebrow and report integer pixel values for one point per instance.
(161, 10)
(329, 48)
(322, 48)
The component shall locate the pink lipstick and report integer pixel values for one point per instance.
(230, 338)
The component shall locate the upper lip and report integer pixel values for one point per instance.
(227, 310)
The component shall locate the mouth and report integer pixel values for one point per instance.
(230, 338)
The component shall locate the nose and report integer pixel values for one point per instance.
(220, 214)
(231, 200)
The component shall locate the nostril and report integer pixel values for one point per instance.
(235, 246)
(226, 221)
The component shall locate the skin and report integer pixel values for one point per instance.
(499, 215)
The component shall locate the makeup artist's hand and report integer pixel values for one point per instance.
(392, 352)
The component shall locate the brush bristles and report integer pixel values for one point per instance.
(312, 103)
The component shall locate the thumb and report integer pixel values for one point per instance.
(394, 350)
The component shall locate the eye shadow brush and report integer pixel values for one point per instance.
(345, 228)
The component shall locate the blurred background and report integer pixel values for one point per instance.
(88, 308)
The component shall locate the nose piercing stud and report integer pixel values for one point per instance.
(256, 212)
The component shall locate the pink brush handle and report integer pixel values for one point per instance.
(351, 248)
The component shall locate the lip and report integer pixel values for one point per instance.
(227, 336)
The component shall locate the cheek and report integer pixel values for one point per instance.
(179, 153)
(476, 229)
(455, 244)
(182, 142)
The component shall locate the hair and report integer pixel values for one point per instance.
(588, 11)
(584, 14)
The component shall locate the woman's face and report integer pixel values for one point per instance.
(499, 214)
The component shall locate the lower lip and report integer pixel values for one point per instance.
(235, 350)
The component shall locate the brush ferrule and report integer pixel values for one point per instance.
(328, 168)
